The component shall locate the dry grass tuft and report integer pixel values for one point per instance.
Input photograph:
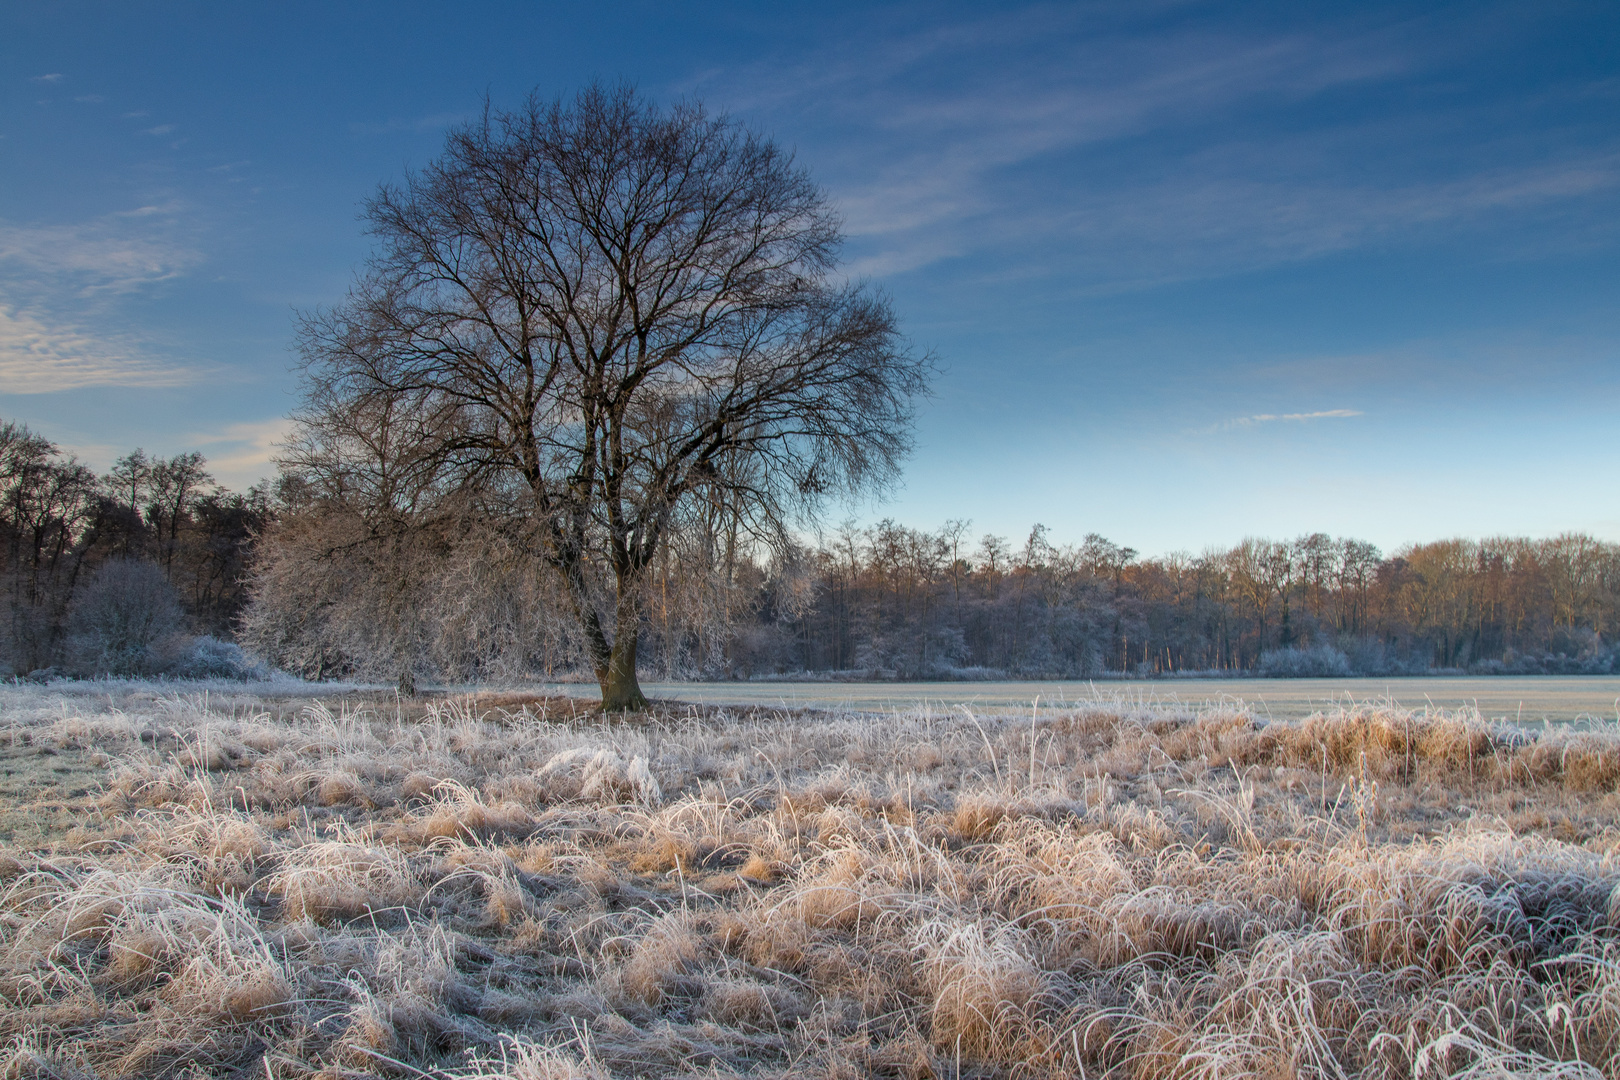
(985, 986)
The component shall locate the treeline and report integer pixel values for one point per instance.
(143, 570)
(152, 568)
(894, 600)
(393, 593)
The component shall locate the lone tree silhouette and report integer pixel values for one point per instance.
(588, 316)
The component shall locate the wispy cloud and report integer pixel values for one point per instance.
(64, 296)
(978, 137)
(241, 454)
(958, 115)
(1257, 419)
(161, 129)
(39, 355)
(1227, 219)
(53, 77)
(1266, 418)
(117, 253)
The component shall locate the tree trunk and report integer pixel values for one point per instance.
(614, 664)
(620, 690)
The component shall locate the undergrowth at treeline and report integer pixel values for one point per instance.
(507, 887)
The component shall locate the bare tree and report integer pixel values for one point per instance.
(130, 478)
(173, 486)
(589, 312)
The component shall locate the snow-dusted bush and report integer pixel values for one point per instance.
(1595, 661)
(126, 622)
(1318, 661)
(1369, 655)
(208, 657)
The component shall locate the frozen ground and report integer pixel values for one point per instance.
(1526, 699)
(1587, 701)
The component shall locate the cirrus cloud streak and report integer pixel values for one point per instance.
(1256, 419)
(65, 302)
(41, 357)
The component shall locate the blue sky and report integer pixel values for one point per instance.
(1193, 271)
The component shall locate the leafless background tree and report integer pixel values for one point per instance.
(61, 526)
(587, 320)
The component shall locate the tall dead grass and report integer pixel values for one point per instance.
(511, 889)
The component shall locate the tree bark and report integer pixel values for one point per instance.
(613, 663)
(621, 692)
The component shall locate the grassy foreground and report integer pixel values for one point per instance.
(240, 887)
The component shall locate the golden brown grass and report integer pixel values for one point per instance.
(503, 887)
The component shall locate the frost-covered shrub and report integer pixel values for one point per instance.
(126, 622)
(210, 658)
(1598, 660)
(1369, 655)
(1318, 661)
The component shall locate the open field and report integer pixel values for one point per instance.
(1586, 700)
(507, 886)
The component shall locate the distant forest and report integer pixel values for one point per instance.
(141, 571)
(918, 604)
(154, 569)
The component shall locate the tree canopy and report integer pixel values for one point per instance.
(590, 318)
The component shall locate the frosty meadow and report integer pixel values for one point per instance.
(225, 884)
